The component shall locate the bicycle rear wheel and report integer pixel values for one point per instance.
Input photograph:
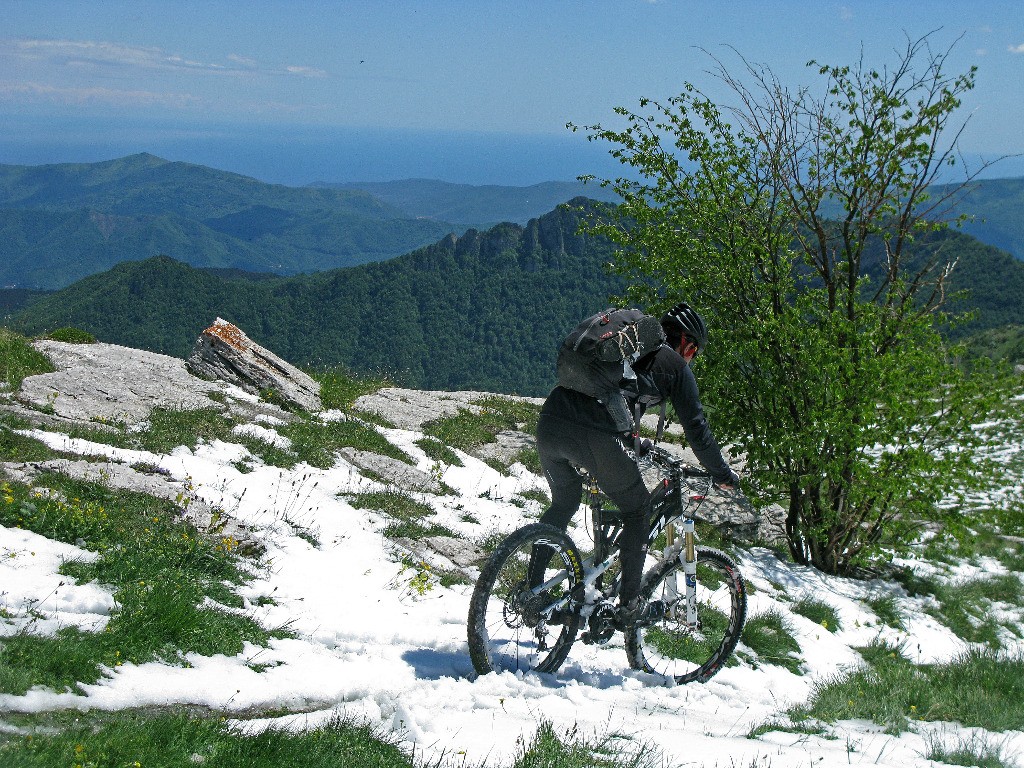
(672, 648)
(511, 627)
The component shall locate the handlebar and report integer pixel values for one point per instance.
(666, 460)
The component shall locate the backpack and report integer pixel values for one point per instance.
(596, 357)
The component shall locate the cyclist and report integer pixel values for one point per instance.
(576, 430)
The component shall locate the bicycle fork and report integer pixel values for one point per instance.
(688, 559)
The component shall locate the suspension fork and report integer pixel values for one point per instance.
(688, 556)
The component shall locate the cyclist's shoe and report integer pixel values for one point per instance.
(639, 614)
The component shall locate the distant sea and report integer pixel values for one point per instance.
(298, 155)
(302, 154)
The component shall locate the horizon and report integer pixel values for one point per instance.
(463, 92)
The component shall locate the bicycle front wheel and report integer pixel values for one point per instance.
(671, 647)
(512, 625)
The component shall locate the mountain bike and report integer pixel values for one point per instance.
(536, 590)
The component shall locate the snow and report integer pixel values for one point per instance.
(367, 645)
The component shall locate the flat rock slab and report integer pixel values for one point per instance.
(112, 383)
(396, 472)
(412, 408)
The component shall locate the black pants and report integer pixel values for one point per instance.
(565, 445)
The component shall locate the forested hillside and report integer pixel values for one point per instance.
(59, 223)
(482, 311)
(995, 206)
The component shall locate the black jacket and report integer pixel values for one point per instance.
(673, 380)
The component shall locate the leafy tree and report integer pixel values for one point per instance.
(790, 220)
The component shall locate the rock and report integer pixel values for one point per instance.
(224, 352)
(392, 471)
(105, 382)
(412, 408)
(506, 447)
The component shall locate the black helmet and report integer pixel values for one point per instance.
(685, 320)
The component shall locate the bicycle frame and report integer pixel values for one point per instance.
(607, 531)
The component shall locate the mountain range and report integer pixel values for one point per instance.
(61, 223)
(481, 311)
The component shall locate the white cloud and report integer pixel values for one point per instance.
(91, 54)
(306, 71)
(1016, 48)
(243, 61)
(83, 53)
(93, 95)
(845, 13)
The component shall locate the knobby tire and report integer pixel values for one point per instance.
(503, 633)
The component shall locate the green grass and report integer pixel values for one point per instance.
(165, 430)
(15, 447)
(467, 430)
(965, 606)
(313, 441)
(161, 571)
(340, 388)
(530, 459)
(316, 442)
(818, 612)
(886, 609)
(438, 451)
(770, 636)
(71, 335)
(548, 749)
(977, 750)
(18, 359)
(182, 738)
(977, 689)
(408, 515)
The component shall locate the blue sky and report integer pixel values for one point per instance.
(470, 91)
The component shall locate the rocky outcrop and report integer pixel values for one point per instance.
(224, 352)
(96, 383)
